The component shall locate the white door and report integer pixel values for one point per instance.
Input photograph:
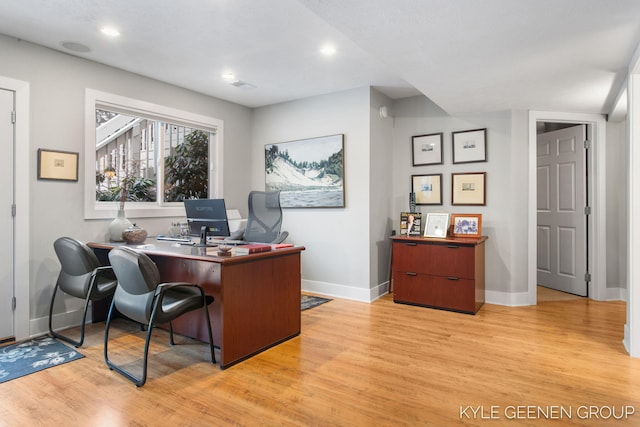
(562, 222)
(6, 216)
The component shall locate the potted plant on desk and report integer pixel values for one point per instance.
(130, 186)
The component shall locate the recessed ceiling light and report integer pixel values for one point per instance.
(229, 77)
(110, 31)
(328, 50)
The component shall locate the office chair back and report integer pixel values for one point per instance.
(138, 277)
(265, 217)
(77, 263)
(81, 276)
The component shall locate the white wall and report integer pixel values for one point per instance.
(505, 213)
(337, 256)
(616, 206)
(380, 192)
(57, 88)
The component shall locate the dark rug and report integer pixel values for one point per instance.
(309, 301)
(18, 360)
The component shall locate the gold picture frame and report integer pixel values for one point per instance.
(57, 165)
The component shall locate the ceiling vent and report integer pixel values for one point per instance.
(242, 85)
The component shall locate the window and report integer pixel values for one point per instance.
(160, 155)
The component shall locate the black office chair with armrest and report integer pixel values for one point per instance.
(80, 276)
(141, 297)
(265, 218)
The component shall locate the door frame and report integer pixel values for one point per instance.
(21, 174)
(596, 223)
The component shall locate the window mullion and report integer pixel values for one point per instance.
(159, 148)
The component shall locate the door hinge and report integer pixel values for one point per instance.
(13, 117)
(13, 304)
(13, 210)
(587, 210)
(587, 144)
(587, 277)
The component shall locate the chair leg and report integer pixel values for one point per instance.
(171, 334)
(208, 319)
(139, 382)
(54, 334)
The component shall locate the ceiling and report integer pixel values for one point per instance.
(465, 55)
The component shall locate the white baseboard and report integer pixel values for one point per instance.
(61, 321)
(615, 294)
(346, 292)
(508, 299)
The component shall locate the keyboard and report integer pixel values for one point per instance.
(174, 239)
(229, 242)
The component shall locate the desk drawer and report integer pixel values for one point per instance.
(434, 259)
(435, 291)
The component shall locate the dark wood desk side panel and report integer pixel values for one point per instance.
(205, 274)
(262, 307)
(480, 273)
(257, 303)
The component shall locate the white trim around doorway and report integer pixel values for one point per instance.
(22, 171)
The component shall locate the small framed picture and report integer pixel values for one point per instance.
(437, 225)
(466, 225)
(427, 149)
(469, 146)
(468, 188)
(57, 165)
(427, 188)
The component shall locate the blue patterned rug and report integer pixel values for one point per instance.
(18, 360)
(309, 301)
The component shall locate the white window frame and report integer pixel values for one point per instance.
(104, 210)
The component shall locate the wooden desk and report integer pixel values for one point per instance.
(257, 297)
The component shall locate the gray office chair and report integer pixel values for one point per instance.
(141, 297)
(80, 276)
(265, 218)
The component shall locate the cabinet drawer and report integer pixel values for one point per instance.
(434, 259)
(435, 291)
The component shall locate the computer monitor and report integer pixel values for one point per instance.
(210, 213)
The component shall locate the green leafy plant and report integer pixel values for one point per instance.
(187, 169)
(130, 187)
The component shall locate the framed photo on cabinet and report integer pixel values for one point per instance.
(466, 225)
(469, 146)
(427, 188)
(427, 149)
(468, 188)
(437, 225)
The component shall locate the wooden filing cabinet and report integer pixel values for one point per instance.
(439, 273)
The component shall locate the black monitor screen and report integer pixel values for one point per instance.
(211, 213)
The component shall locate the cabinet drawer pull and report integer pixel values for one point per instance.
(453, 246)
(411, 273)
(412, 244)
(452, 278)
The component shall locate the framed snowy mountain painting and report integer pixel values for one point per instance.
(308, 172)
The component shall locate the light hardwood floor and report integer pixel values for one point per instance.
(359, 364)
